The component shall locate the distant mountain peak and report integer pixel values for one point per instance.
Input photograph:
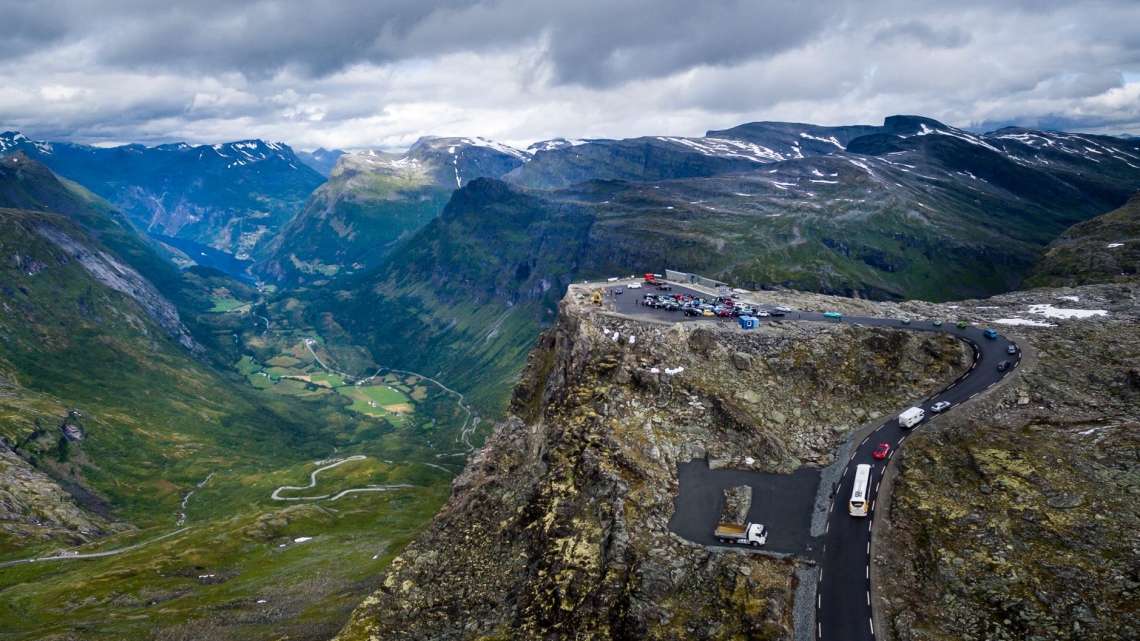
(10, 140)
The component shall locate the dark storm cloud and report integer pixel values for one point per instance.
(591, 42)
(382, 72)
(26, 29)
(923, 34)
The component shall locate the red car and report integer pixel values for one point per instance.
(882, 450)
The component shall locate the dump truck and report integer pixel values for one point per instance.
(750, 533)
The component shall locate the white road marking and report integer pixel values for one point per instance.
(869, 598)
(953, 384)
(819, 601)
(901, 440)
(872, 509)
(877, 487)
(868, 548)
(973, 395)
(820, 627)
(974, 365)
(867, 573)
(880, 427)
(827, 528)
(872, 621)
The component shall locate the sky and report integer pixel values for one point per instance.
(355, 74)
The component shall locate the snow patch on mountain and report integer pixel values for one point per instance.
(10, 140)
(727, 148)
(499, 147)
(832, 139)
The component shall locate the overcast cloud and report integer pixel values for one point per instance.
(368, 73)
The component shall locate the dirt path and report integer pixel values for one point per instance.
(93, 555)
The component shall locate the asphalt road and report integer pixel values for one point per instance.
(843, 599)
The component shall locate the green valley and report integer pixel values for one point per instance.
(139, 459)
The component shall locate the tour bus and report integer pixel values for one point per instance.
(858, 505)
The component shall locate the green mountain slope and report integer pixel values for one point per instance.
(373, 201)
(113, 434)
(1105, 249)
(28, 184)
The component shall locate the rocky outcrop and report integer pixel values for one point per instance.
(121, 277)
(1018, 517)
(34, 509)
(557, 528)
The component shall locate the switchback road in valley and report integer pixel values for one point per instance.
(843, 598)
(332, 497)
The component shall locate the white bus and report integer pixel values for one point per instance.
(858, 505)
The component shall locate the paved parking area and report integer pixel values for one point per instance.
(782, 502)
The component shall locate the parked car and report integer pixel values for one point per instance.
(882, 450)
(665, 288)
(708, 312)
(619, 291)
(1011, 349)
(777, 312)
(691, 311)
(940, 407)
(635, 285)
(783, 309)
(762, 314)
(1002, 366)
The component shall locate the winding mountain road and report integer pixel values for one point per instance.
(843, 595)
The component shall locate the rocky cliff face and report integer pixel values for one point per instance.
(1018, 517)
(113, 273)
(557, 528)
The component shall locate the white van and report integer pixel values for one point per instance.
(911, 417)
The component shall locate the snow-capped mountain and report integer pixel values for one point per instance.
(230, 196)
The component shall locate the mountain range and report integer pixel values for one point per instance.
(913, 209)
(232, 196)
(127, 384)
(375, 200)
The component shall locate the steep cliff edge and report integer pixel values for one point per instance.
(558, 526)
